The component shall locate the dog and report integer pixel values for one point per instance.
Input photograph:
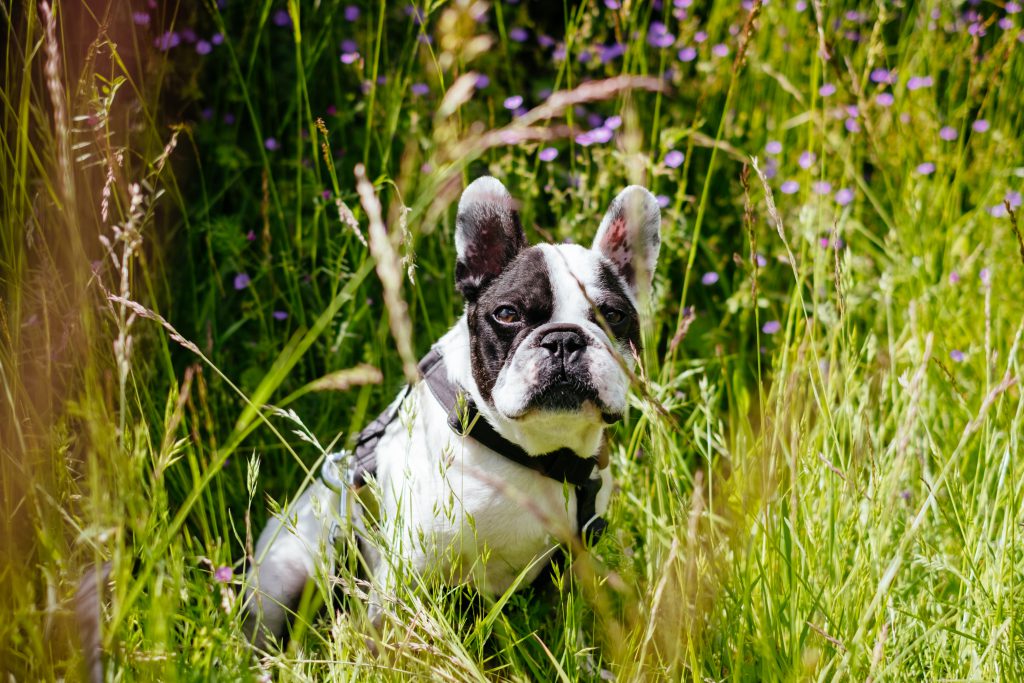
(500, 448)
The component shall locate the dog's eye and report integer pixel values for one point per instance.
(506, 315)
(613, 316)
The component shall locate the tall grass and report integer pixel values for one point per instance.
(818, 477)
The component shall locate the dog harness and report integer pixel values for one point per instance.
(563, 465)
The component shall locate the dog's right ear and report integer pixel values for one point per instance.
(488, 235)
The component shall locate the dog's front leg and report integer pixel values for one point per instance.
(294, 546)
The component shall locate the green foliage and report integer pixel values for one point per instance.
(818, 475)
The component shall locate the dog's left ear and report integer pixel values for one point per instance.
(488, 235)
(630, 236)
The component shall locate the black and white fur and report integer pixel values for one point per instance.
(540, 350)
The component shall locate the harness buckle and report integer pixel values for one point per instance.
(335, 472)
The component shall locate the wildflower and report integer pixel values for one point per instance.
(612, 4)
(518, 34)
(280, 315)
(827, 90)
(985, 276)
(168, 40)
(852, 125)
(773, 147)
(918, 82)
(709, 278)
(204, 47)
(217, 38)
(513, 102)
(229, 119)
(207, 113)
(980, 126)
(884, 99)
(141, 18)
(1012, 7)
(700, 37)
(223, 574)
(349, 57)
(281, 18)
(601, 135)
(548, 154)
(609, 52)
(823, 242)
(760, 260)
(688, 54)
(800, 6)
(882, 76)
(482, 81)
(1014, 199)
(997, 211)
(420, 89)
(351, 13)
(720, 50)
(613, 122)
(807, 159)
(844, 196)
(1006, 23)
(925, 168)
(790, 187)
(272, 144)
(545, 41)
(954, 277)
(663, 200)
(821, 187)
(957, 355)
(242, 281)
(771, 327)
(660, 39)
(250, 236)
(948, 133)
(674, 159)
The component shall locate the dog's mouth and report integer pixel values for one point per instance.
(568, 395)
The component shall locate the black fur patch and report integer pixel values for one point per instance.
(628, 332)
(493, 237)
(526, 285)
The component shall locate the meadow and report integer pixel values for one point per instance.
(227, 232)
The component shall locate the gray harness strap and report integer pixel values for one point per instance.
(562, 465)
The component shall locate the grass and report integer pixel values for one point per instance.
(819, 478)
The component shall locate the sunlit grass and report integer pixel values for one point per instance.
(825, 484)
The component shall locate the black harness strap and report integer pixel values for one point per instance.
(562, 465)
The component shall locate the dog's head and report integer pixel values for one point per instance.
(551, 326)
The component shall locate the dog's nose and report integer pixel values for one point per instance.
(564, 345)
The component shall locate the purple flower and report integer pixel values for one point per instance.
(771, 327)
(612, 4)
(217, 38)
(207, 113)
(800, 5)
(997, 211)
(918, 82)
(188, 35)
(985, 276)
(167, 41)
(223, 574)
(700, 36)
(661, 40)
(823, 242)
(518, 34)
(980, 126)
(349, 57)
(613, 122)
(280, 315)
(954, 277)
(807, 160)
(844, 196)
(281, 18)
(351, 13)
(790, 187)
(141, 18)
(482, 81)
(513, 102)
(674, 159)
(229, 119)
(1014, 198)
(601, 135)
(545, 41)
(1012, 7)
(957, 355)
(688, 54)
(821, 187)
(882, 76)
(1006, 23)
(242, 281)
(925, 168)
(827, 90)
(272, 144)
(760, 260)
(548, 154)
(420, 89)
(948, 133)
(852, 125)
(884, 99)
(773, 147)
(709, 278)
(720, 50)
(610, 52)
(662, 200)
(203, 47)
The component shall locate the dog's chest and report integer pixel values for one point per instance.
(451, 503)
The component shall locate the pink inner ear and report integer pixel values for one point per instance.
(615, 245)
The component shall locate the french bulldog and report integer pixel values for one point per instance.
(541, 360)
